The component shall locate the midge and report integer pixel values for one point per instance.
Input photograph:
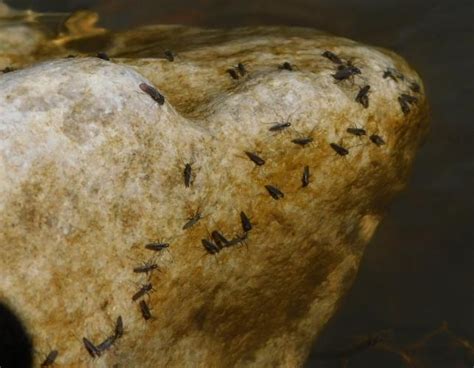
(274, 192)
(210, 247)
(193, 220)
(145, 289)
(147, 267)
(106, 344)
(241, 69)
(278, 127)
(91, 348)
(246, 224)
(153, 93)
(156, 246)
(119, 327)
(169, 55)
(346, 72)
(363, 96)
(146, 314)
(257, 160)
(233, 73)
(332, 56)
(302, 141)
(50, 358)
(341, 151)
(377, 140)
(359, 132)
(286, 66)
(219, 239)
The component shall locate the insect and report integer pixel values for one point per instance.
(257, 160)
(389, 74)
(169, 55)
(377, 140)
(153, 93)
(70, 56)
(119, 327)
(188, 175)
(246, 224)
(341, 151)
(302, 141)
(286, 66)
(278, 127)
(145, 310)
(219, 239)
(331, 56)
(405, 102)
(102, 55)
(363, 96)
(192, 221)
(91, 348)
(356, 131)
(145, 289)
(415, 87)
(346, 72)
(50, 358)
(106, 344)
(274, 192)
(305, 177)
(241, 69)
(210, 247)
(233, 73)
(147, 267)
(156, 246)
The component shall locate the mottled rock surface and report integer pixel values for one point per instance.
(92, 170)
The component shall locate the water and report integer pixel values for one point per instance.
(418, 270)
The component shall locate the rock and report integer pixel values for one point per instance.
(95, 165)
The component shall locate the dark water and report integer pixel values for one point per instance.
(418, 271)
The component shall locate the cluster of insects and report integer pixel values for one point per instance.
(217, 241)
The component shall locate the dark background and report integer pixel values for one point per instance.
(418, 270)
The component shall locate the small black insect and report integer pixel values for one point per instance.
(103, 56)
(8, 69)
(346, 72)
(246, 224)
(210, 247)
(257, 160)
(404, 106)
(287, 66)
(53, 354)
(389, 74)
(91, 348)
(341, 151)
(148, 267)
(278, 127)
(305, 177)
(156, 246)
(145, 289)
(188, 175)
(192, 221)
(169, 55)
(408, 98)
(274, 192)
(70, 56)
(153, 93)
(106, 344)
(377, 140)
(415, 87)
(331, 56)
(219, 239)
(356, 131)
(145, 310)
(241, 69)
(233, 73)
(363, 96)
(119, 327)
(302, 141)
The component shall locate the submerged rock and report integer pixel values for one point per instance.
(254, 192)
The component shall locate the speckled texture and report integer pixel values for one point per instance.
(92, 170)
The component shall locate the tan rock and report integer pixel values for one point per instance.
(92, 170)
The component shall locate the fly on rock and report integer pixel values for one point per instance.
(153, 93)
